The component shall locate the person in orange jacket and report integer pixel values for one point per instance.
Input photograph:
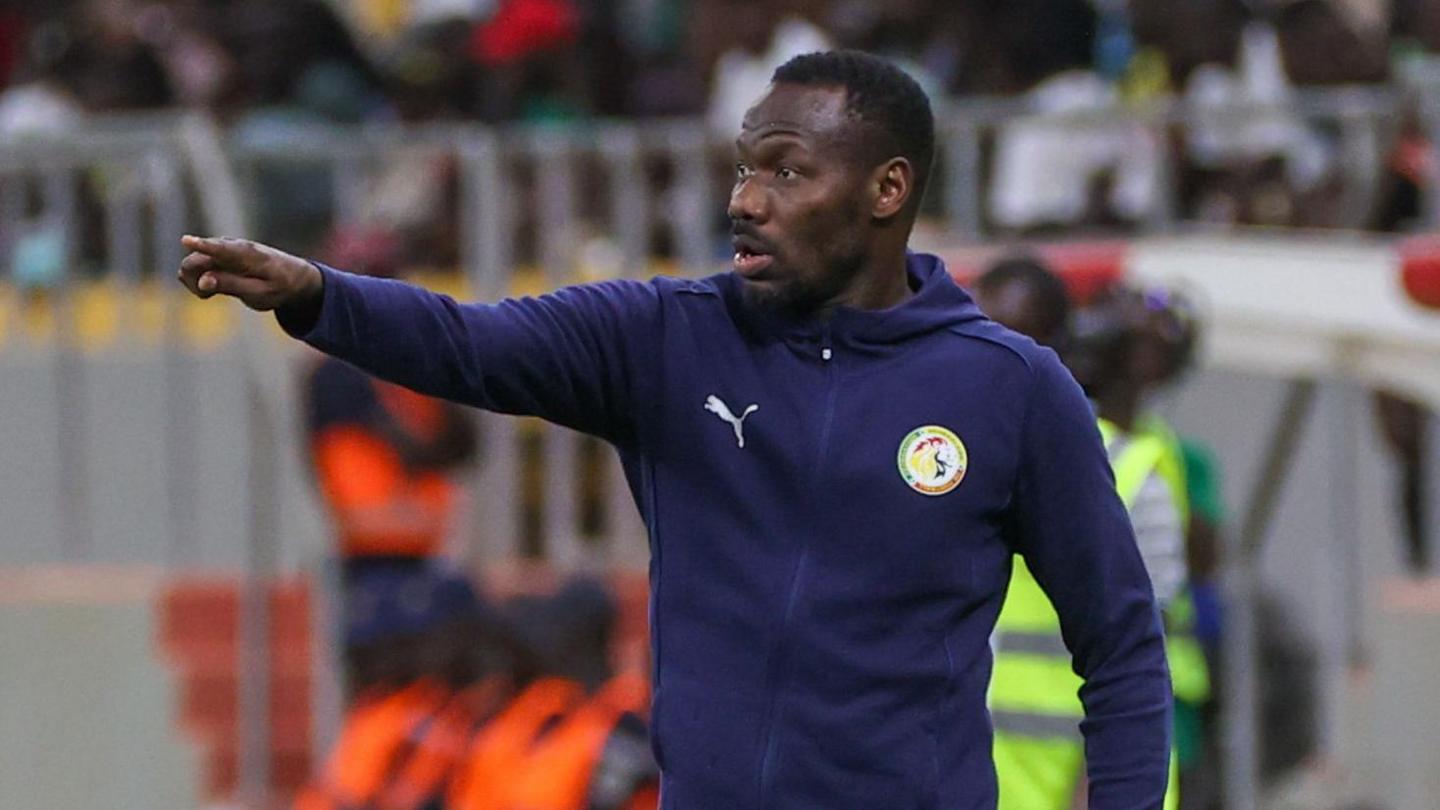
(484, 663)
(382, 456)
(575, 739)
(403, 737)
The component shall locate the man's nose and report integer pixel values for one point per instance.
(747, 202)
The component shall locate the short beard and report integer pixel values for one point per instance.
(798, 299)
(778, 298)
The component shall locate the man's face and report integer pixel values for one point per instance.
(800, 209)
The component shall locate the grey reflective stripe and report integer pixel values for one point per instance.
(1050, 644)
(1038, 726)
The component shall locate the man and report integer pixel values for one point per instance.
(1020, 292)
(835, 453)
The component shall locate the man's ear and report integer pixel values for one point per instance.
(894, 182)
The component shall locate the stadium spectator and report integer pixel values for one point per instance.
(1082, 169)
(13, 25)
(921, 37)
(532, 67)
(299, 54)
(1330, 42)
(114, 68)
(763, 37)
(297, 72)
(196, 64)
(43, 99)
(385, 22)
(45, 102)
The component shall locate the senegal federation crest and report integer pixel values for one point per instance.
(932, 460)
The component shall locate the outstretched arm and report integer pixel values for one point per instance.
(1076, 538)
(577, 357)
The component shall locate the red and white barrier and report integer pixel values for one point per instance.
(1281, 304)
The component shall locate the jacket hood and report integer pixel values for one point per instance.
(937, 303)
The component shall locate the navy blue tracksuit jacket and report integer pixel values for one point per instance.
(832, 510)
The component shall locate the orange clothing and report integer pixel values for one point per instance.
(379, 507)
(436, 756)
(647, 798)
(499, 751)
(542, 756)
(377, 734)
(360, 428)
(560, 766)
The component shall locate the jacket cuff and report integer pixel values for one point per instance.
(300, 320)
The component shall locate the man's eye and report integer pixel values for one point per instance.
(786, 173)
(742, 170)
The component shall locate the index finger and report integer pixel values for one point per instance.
(213, 247)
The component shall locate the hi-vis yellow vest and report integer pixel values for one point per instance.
(1189, 674)
(1034, 692)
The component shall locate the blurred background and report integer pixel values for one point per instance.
(235, 575)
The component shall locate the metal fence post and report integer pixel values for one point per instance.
(182, 406)
(487, 222)
(61, 210)
(629, 196)
(694, 212)
(964, 199)
(1239, 724)
(254, 666)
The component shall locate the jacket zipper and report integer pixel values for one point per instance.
(781, 676)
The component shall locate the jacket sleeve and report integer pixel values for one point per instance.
(1070, 526)
(575, 357)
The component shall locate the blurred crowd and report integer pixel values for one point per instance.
(274, 70)
(499, 60)
(265, 64)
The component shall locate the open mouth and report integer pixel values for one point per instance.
(751, 256)
(751, 264)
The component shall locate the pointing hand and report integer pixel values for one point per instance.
(262, 277)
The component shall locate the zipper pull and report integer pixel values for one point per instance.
(825, 353)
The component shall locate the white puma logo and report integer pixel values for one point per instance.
(718, 407)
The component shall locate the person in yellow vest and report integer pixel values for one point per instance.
(1035, 708)
(1154, 344)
